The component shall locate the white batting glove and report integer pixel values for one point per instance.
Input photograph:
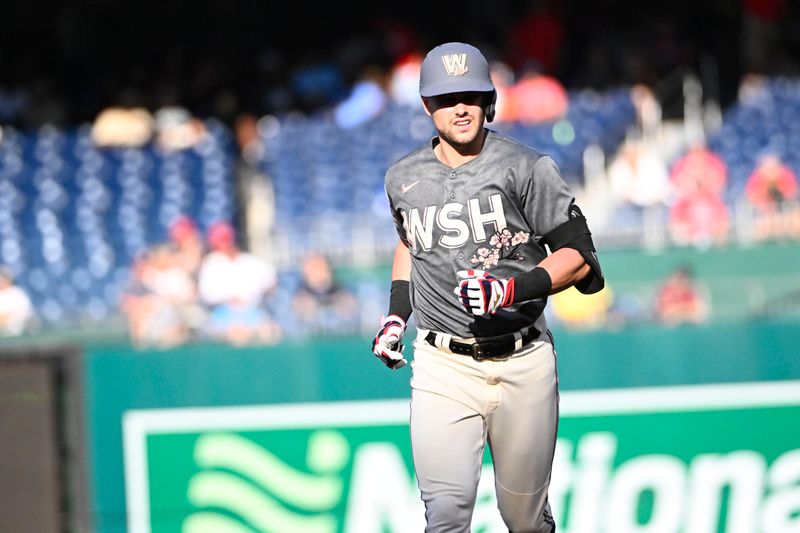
(386, 345)
(483, 294)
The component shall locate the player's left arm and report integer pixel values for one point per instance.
(549, 206)
(566, 267)
(573, 262)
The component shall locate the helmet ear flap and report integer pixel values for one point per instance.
(489, 110)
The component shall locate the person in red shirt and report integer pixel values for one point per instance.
(700, 166)
(680, 301)
(539, 97)
(772, 191)
(771, 184)
(699, 218)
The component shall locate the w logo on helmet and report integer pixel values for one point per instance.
(455, 64)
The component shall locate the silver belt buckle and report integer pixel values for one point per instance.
(476, 352)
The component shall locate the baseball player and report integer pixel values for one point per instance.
(474, 210)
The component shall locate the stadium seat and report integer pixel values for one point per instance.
(73, 216)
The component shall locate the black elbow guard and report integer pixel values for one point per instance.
(575, 234)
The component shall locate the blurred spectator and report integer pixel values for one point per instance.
(139, 304)
(187, 243)
(404, 81)
(680, 300)
(177, 129)
(539, 97)
(639, 175)
(648, 112)
(699, 218)
(255, 185)
(699, 215)
(136, 302)
(117, 126)
(754, 91)
(771, 184)
(772, 191)
(248, 138)
(236, 284)
(320, 302)
(16, 310)
(161, 303)
(699, 167)
(167, 278)
(366, 100)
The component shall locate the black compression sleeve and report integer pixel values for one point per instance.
(400, 301)
(532, 285)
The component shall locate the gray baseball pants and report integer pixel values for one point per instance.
(458, 403)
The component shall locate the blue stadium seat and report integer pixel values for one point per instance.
(73, 216)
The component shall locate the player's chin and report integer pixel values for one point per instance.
(463, 138)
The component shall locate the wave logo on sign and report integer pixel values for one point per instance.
(256, 490)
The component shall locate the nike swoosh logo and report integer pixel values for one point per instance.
(404, 189)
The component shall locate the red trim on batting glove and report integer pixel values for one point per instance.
(508, 296)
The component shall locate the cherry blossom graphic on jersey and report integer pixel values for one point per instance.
(504, 245)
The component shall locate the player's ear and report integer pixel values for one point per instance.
(426, 106)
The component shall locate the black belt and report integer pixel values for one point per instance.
(487, 347)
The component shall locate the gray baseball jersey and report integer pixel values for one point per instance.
(487, 214)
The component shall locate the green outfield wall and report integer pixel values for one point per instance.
(307, 436)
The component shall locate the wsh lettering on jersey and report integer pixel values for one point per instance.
(449, 225)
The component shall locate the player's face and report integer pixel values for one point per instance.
(458, 117)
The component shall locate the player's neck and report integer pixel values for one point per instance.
(455, 155)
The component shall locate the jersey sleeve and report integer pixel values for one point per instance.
(546, 198)
(396, 216)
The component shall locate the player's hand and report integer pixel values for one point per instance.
(386, 345)
(483, 294)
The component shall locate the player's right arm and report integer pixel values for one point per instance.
(401, 265)
(387, 343)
